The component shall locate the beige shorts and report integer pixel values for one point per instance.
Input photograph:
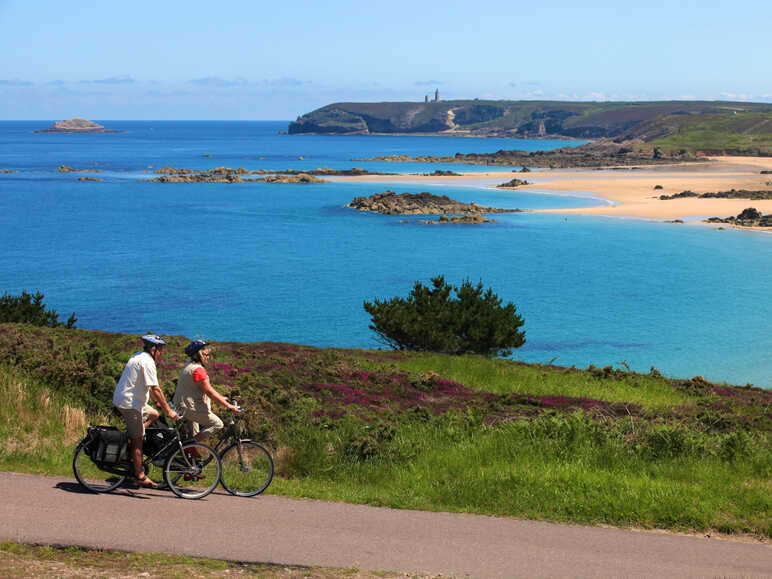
(204, 423)
(135, 420)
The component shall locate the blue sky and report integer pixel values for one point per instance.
(277, 60)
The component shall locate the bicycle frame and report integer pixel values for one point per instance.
(124, 467)
(231, 434)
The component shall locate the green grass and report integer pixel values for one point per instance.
(504, 376)
(38, 430)
(436, 432)
(564, 471)
(745, 132)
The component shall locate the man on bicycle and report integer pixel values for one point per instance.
(137, 384)
(194, 394)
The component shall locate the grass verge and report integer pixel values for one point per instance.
(18, 560)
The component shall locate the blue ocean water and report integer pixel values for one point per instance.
(290, 263)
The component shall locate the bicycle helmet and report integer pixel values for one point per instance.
(194, 347)
(153, 339)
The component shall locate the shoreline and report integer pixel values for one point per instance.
(630, 192)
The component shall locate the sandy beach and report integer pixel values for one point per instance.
(630, 192)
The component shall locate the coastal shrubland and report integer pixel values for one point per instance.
(434, 431)
(29, 309)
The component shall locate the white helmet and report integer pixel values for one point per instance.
(153, 339)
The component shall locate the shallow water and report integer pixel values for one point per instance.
(290, 263)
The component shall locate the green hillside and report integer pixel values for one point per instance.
(692, 125)
(432, 432)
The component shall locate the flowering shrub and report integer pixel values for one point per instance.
(282, 385)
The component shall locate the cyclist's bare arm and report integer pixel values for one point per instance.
(158, 397)
(206, 388)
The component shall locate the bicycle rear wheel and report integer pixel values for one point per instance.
(90, 476)
(247, 469)
(193, 471)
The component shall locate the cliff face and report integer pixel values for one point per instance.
(620, 121)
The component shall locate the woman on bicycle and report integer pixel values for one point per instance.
(194, 394)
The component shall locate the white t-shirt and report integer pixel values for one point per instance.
(133, 389)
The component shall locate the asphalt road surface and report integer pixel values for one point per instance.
(269, 529)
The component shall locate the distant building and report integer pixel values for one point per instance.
(437, 95)
(426, 98)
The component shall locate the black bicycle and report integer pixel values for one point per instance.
(101, 464)
(247, 467)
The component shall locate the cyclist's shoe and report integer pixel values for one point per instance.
(193, 476)
(146, 483)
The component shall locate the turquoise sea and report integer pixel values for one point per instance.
(290, 263)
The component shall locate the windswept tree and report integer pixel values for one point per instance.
(467, 319)
(30, 309)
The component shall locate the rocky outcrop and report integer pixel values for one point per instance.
(89, 179)
(76, 125)
(750, 217)
(512, 184)
(442, 173)
(8, 171)
(227, 175)
(391, 203)
(598, 154)
(299, 178)
(199, 178)
(732, 194)
(66, 169)
(472, 219)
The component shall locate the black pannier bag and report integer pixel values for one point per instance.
(108, 445)
(155, 438)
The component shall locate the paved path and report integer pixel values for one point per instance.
(270, 529)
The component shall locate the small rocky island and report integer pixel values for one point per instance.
(67, 169)
(750, 217)
(228, 175)
(513, 183)
(76, 125)
(391, 203)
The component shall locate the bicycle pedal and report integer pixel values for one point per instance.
(193, 476)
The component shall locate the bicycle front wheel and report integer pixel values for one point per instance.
(247, 469)
(90, 476)
(193, 471)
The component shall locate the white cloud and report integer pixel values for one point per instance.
(737, 96)
(123, 79)
(216, 81)
(15, 82)
(286, 82)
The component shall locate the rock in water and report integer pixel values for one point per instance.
(76, 125)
